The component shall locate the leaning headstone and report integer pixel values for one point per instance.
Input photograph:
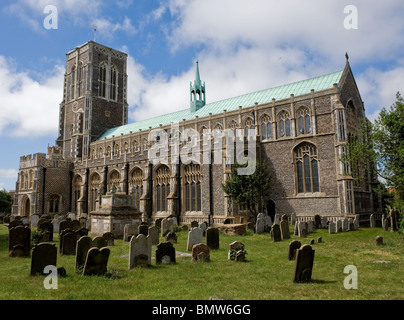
(19, 241)
(276, 233)
(83, 245)
(165, 253)
(154, 235)
(195, 236)
(140, 251)
(234, 248)
(167, 225)
(331, 227)
(285, 233)
(200, 252)
(43, 254)
(372, 221)
(293, 246)
(304, 264)
(68, 240)
(379, 240)
(96, 261)
(212, 238)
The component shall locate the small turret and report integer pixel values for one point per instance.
(197, 91)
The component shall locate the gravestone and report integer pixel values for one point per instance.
(304, 264)
(96, 261)
(165, 253)
(19, 241)
(302, 229)
(99, 242)
(393, 220)
(212, 238)
(356, 222)
(84, 244)
(203, 226)
(331, 227)
(310, 226)
(293, 218)
(293, 246)
(167, 225)
(260, 225)
(109, 237)
(296, 230)
(195, 236)
(379, 240)
(285, 233)
(194, 224)
(34, 220)
(68, 240)
(43, 254)
(277, 218)
(140, 251)
(47, 228)
(200, 252)
(351, 225)
(171, 237)
(385, 224)
(143, 229)
(339, 226)
(15, 223)
(236, 248)
(83, 222)
(157, 223)
(372, 221)
(130, 230)
(56, 225)
(268, 223)
(154, 235)
(75, 225)
(345, 226)
(276, 233)
(65, 224)
(324, 222)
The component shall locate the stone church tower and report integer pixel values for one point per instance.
(94, 97)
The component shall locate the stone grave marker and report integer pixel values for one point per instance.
(393, 220)
(68, 241)
(268, 223)
(285, 233)
(47, 228)
(109, 237)
(195, 236)
(293, 218)
(310, 226)
(302, 229)
(43, 254)
(56, 225)
(200, 252)
(345, 226)
(34, 220)
(293, 246)
(331, 227)
(130, 230)
(379, 240)
(167, 225)
(260, 225)
(154, 235)
(212, 238)
(234, 248)
(339, 226)
(304, 264)
(65, 224)
(143, 229)
(157, 223)
(140, 251)
(84, 244)
(372, 221)
(96, 261)
(165, 253)
(276, 233)
(194, 224)
(171, 237)
(19, 241)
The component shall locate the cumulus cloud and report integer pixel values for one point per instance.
(29, 107)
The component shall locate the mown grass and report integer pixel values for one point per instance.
(267, 274)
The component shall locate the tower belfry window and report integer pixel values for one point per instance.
(113, 83)
(102, 81)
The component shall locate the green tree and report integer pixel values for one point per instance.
(249, 190)
(380, 146)
(5, 201)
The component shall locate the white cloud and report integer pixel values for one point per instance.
(8, 174)
(107, 28)
(29, 107)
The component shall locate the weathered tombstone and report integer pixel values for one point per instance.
(284, 217)
(331, 227)
(15, 223)
(356, 222)
(351, 225)
(260, 225)
(319, 240)
(310, 226)
(194, 224)
(83, 222)
(140, 251)
(200, 252)
(385, 224)
(212, 238)
(268, 223)
(65, 224)
(393, 220)
(56, 225)
(304, 264)
(293, 246)
(99, 242)
(317, 221)
(276, 233)
(71, 215)
(157, 223)
(154, 235)
(379, 240)
(194, 237)
(143, 229)
(285, 233)
(83, 245)
(34, 220)
(109, 237)
(339, 226)
(75, 225)
(277, 218)
(165, 253)
(324, 222)
(68, 240)
(235, 248)
(167, 225)
(296, 230)
(302, 229)
(345, 226)
(43, 254)
(372, 221)
(171, 237)
(203, 226)
(96, 261)
(293, 218)
(19, 241)
(130, 230)
(47, 228)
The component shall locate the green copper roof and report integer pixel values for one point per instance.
(246, 100)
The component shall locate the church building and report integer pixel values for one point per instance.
(300, 130)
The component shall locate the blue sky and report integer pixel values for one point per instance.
(242, 46)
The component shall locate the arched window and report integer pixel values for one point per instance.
(306, 162)
(136, 146)
(102, 80)
(22, 182)
(117, 150)
(80, 90)
(54, 201)
(144, 144)
(95, 187)
(114, 180)
(136, 183)
(72, 82)
(233, 125)
(162, 187)
(266, 127)
(100, 153)
(248, 125)
(284, 124)
(113, 87)
(31, 179)
(303, 120)
(193, 193)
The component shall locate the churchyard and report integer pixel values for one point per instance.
(266, 269)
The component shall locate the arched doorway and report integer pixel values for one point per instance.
(271, 209)
(26, 206)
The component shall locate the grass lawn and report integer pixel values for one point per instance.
(267, 274)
